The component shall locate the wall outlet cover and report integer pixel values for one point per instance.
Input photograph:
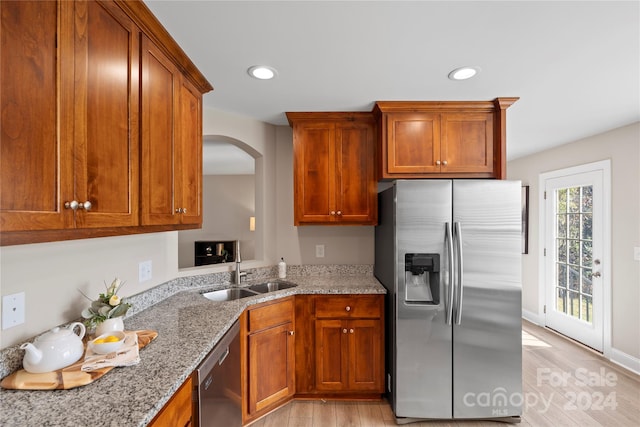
(144, 271)
(12, 310)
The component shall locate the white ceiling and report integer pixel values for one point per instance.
(575, 65)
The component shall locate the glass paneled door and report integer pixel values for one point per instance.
(574, 250)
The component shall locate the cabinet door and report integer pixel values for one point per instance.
(159, 78)
(331, 349)
(413, 143)
(271, 366)
(178, 411)
(467, 143)
(365, 362)
(188, 186)
(314, 172)
(36, 135)
(106, 115)
(356, 189)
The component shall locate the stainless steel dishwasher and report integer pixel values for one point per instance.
(218, 383)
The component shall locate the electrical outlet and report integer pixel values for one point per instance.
(319, 251)
(144, 271)
(12, 310)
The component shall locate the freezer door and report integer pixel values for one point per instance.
(422, 359)
(487, 332)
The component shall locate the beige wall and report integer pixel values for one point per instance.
(227, 203)
(622, 147)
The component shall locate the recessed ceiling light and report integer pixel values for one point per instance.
(464, 73)
(262, 72)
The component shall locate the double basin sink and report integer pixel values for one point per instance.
(232, 294)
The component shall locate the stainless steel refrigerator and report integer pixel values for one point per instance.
(448, 252)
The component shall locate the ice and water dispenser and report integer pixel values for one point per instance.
(422, 278)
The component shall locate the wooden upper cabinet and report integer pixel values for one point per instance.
(171, 142)
(334, 175)
(442, 139)
(36, 161)
(72, 132)
(413, 142)
(107, 69)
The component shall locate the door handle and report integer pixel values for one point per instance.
(449, 301)
(457, 232)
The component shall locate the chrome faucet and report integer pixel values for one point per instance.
(238, 275)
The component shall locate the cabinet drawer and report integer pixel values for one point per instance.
(269, 315)
(350, 306)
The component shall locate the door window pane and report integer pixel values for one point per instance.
(574, 224)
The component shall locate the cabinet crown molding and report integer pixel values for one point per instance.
(443, 106)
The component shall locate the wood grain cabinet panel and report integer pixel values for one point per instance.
(36, 163)
(106, 91)
(334, 175)
(171, 142)
(179, 410)
(454, 139)
(268, 347)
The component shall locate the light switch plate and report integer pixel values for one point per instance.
(12, 310)
(636, 253)
(319, 251)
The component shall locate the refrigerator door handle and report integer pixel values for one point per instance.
(449, 282)
(457, 234)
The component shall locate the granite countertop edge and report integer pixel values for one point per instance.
(188, 327)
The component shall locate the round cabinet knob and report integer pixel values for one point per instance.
(438, 162)
(333, 212)
(184, 210)
(351, 331)
(339, 212)
(86, 206)
(444, 162)
(596, 274)
(179, 210)
(291, 332)
(348, 308)
(344, 331)
(73, 205)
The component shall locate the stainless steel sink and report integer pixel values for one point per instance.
(229, 294)
(271, 286)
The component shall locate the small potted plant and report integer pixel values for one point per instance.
(105, 313)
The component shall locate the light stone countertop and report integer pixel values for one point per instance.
(188, 327)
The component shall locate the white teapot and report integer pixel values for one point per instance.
(56, 349)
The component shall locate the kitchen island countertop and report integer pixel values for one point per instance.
(188, 327)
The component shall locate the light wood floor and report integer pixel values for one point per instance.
(555, 371)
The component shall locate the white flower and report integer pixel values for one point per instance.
(114, 287)
(114, 300)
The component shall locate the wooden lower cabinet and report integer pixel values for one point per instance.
(348, 356)
(339, 346)
(267, 333)
(179, 411)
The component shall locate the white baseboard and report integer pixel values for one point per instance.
(533, 317)
(626, 361)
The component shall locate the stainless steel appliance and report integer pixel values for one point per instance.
(218, 383)
(448, 252)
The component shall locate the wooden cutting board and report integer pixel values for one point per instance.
(65, 378)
